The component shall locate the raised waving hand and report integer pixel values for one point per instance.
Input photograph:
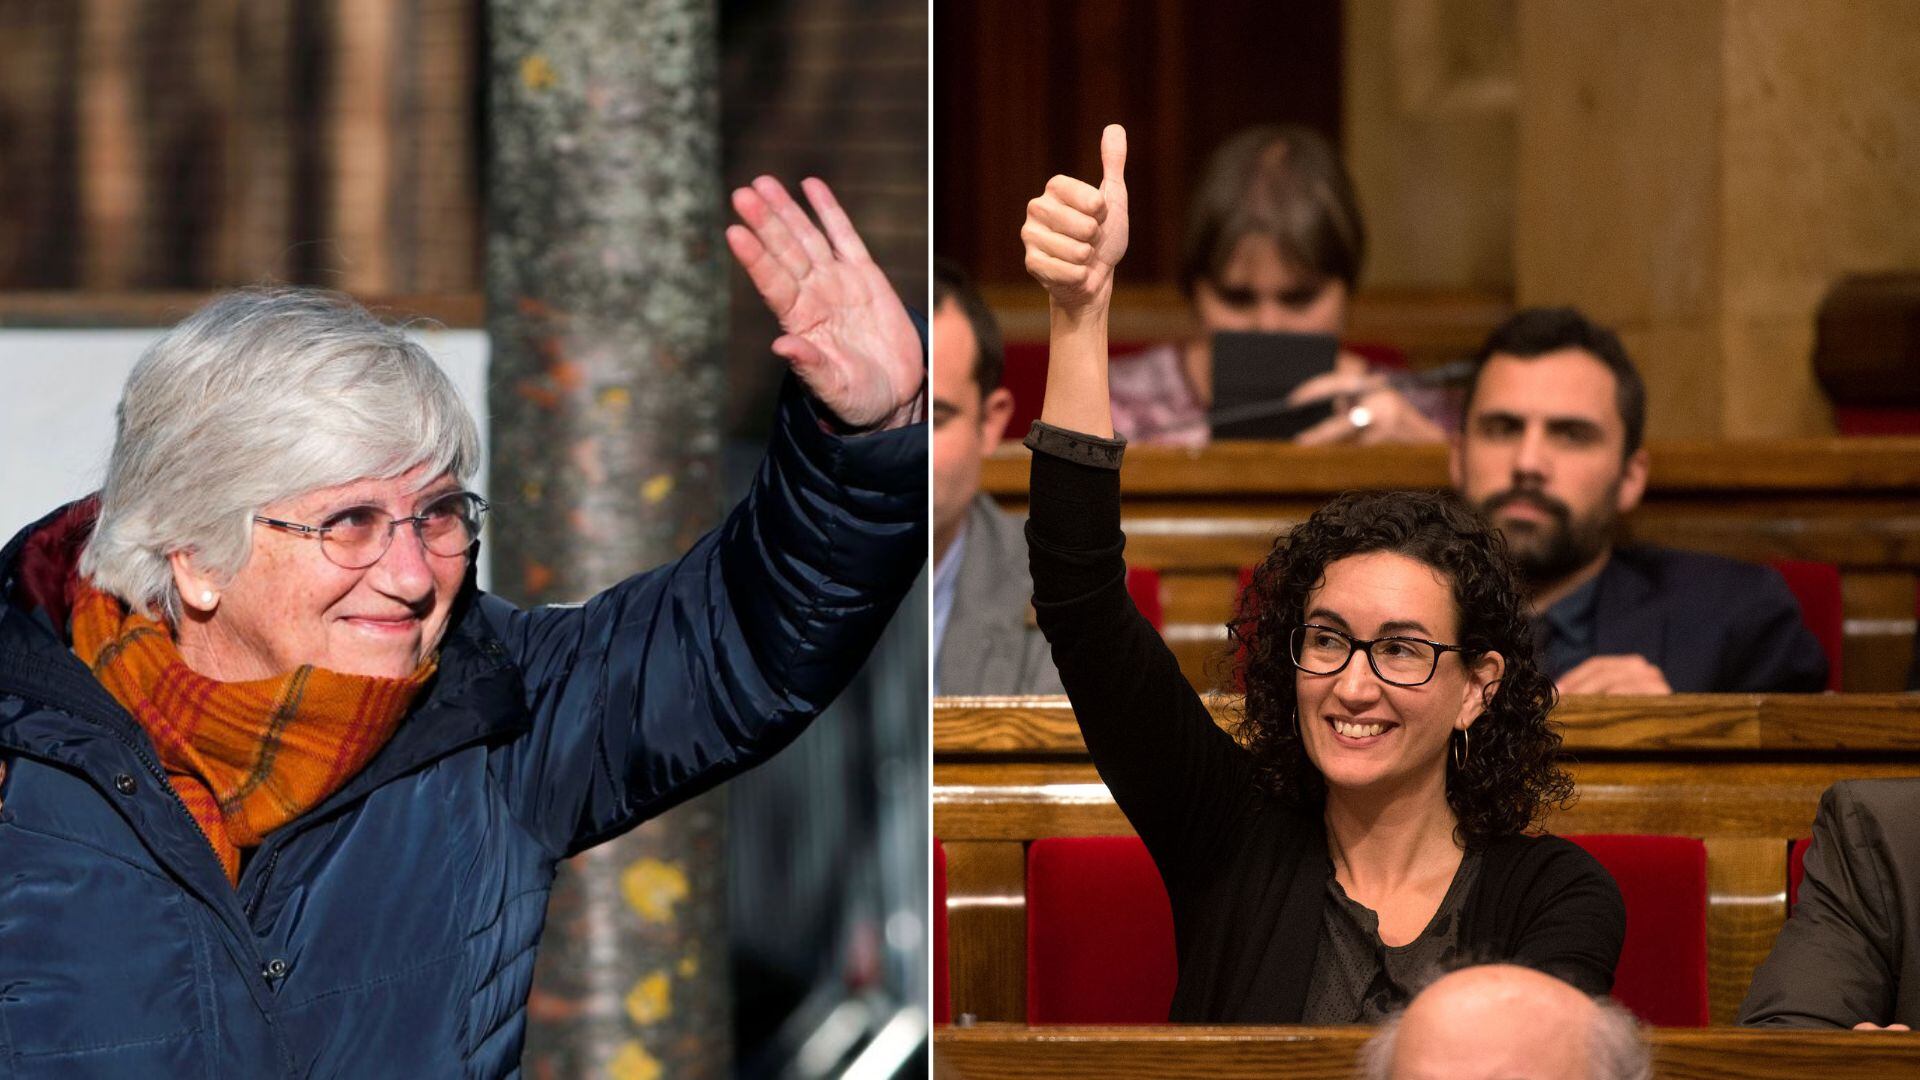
(846, 334)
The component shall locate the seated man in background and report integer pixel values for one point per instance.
(984, 637)
(1849, 955)
(1550, 451)
(1502, 1022)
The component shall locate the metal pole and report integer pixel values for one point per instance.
(606, 302)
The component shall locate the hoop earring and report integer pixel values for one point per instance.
(1461, 750)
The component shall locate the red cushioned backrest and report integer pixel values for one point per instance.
(1143, 584)
(1817, 586)
(1662, 975)
(942, 994)
(1026, 375)
(1858, 420)
(1796, 869)
(1099, 933)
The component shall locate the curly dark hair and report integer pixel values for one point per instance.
(1511, 776)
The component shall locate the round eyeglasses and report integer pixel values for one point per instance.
(1402, 661)
(357, 537)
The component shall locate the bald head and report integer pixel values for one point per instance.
(1502, 1022)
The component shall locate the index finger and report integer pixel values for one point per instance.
(840, 230)
(795, 219)
(1080, 195)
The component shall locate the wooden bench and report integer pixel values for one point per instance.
(1199, 516)
(1017, 1052)
(1742, 772)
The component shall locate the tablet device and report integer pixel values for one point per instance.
(1252, 375)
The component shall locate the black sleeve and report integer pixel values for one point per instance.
(1177, 776)
(1557, 909)
(1772, 651)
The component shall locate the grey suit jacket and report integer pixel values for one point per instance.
(1851, 950)
(991, 645)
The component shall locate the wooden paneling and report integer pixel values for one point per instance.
(1199, 516)
(1012, 1052)
(1743, 772)
(998, 729)
(1746, 903)
(1024, 800)
(987, 924)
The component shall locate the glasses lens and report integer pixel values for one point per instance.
(449, 526)
(1404, 660)
(1318, 650)
(357, 537)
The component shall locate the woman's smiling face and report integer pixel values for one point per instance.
(289, 605)
(1361, 732)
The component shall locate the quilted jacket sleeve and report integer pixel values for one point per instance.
(680, 677)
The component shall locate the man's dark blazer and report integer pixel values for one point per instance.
(1711, 625)
(1851, 951)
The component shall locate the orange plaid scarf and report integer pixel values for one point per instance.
(246, 757)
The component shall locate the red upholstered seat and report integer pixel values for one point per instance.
(1662, 975)
(1100, 930)
(1817, 586)
(942, 993)
(1796, 869)
(1099, 933)
(1143, 584)
(1026, 376)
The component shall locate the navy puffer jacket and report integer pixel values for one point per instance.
(391, 930)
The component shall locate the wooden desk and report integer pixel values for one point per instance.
(1742, 772)
(1017, 1052)
(1199, 516)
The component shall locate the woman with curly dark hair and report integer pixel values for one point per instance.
(1371, 820)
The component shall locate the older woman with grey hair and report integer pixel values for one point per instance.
(282, 792)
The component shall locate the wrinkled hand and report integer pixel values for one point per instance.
(1391, 417)
(846, 334)
(1865, 1026)
(1076, 234)
(1615, 675)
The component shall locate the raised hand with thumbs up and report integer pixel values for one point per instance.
(1075, 234)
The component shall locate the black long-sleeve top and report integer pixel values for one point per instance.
(1246, 874)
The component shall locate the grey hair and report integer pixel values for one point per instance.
(261, 395)
(1617, 1047)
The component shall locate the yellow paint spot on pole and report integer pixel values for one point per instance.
(615, 398)
(634, 1063)
(536, 73)
(651, 999)
(657, 488)
(689, 966)
(652, 888)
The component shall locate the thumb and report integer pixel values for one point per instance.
(1113, 155)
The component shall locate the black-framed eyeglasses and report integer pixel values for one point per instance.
(1402, 661)
(357, 537)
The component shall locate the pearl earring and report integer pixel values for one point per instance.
(206, 598)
